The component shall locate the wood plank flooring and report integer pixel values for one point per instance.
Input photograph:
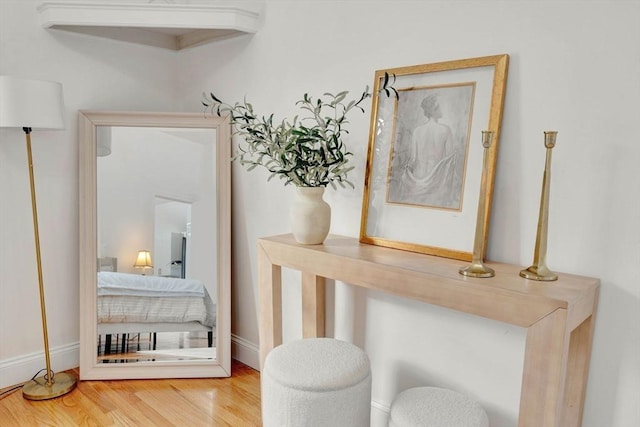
(231, 401)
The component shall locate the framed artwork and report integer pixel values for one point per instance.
(425, 156)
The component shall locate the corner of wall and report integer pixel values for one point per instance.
(245, 352)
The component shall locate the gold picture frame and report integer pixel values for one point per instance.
(424, 161)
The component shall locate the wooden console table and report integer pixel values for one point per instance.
(559, 316)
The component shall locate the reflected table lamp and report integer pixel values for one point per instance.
(143, 261)
(36, 104)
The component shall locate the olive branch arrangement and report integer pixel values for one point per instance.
(306, 151)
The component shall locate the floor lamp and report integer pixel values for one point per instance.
(36, 104)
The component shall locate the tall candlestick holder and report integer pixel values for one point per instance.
(538, 270)
(477, 267)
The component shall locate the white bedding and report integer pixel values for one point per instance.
(127, 299)
(128, 309)
(111, 283)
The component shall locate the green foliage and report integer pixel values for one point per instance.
(306, 151)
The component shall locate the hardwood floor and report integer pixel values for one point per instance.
(198, 402)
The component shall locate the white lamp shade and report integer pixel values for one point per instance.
(143, 260)
(35, 104)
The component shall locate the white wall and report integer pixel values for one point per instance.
(144, 163)
(575, 68)
(170, 227)
(97, 74)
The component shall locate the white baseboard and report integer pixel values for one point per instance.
(245, 352)
(17, 370)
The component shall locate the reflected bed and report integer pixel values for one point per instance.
(131, 303)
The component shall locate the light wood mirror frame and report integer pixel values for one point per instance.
(90, 369)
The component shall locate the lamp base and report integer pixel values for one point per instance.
(37, 389)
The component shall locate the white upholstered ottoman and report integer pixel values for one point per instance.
(316, 382)
(435, 407)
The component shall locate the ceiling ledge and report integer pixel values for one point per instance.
(170, 26)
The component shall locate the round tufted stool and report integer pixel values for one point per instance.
(437, 407)
(316, 382)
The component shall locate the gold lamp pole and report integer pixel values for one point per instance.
(477, 268)
(25, 103)
(538, 270)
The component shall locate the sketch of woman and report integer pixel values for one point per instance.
(428, 175)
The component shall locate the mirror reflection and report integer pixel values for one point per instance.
(156, 244)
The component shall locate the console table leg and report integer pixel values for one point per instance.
(312, 305)
(269, 303)
(578, 370)
(545, 362)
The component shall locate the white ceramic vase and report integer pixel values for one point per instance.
(310, 216)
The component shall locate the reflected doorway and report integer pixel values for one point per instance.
(172, 237)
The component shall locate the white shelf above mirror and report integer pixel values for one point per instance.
(168, 25)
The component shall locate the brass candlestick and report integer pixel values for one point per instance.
(538, 270)
(477, 268)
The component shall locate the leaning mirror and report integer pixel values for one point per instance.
(154, 245)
